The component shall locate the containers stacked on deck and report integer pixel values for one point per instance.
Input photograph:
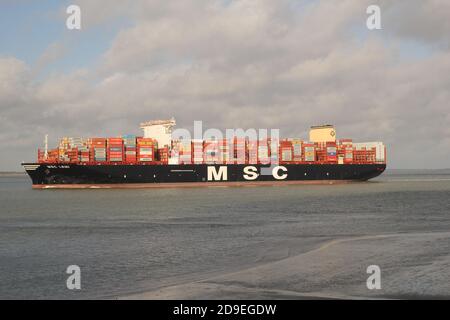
(174, 157)
(376, 151)
(64, 147)
(263, 151)
(53, 155)
(77, 142)
(185, 151)
(321, 151)
(286, 151)
(72, 155)
(326, 152)
(98, 149)
(224, 152)
(211, 152)
(331, 152)
(240, 152)
(146, 149)
(345, 151)
(73, 149)
(252, 149)
(274, 150)
(309, 152)
(41, 155)
(364, 155)
(64, 144)
(369, 152)
(163, 155)
(197, 151)
(129, 147)
(115, 150)
(84, 154)
(63, 156)
(296, 150)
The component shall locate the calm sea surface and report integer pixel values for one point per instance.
(130, 241)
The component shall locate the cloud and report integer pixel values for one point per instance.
(424, 21)
(13, 77)
(263, 64)
(233, 34)
(54, 52)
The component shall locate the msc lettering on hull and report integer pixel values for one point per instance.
(221, 175)
(249, 173)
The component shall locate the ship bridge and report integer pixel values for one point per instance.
(160, 130)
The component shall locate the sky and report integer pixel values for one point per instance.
(285, 64)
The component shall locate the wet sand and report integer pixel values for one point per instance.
(413, 265)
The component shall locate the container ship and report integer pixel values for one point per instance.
(155, 159)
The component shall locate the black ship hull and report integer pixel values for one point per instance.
(106, 175)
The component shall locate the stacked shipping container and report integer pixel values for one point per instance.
(185, 151)
(129, 143)
(296, 150)
(146, 149)
(309, 152)
(224, 152)
(240, 151)
(263, 152)
(163, 155)
(286, 151)
(98, 149)
(274, 150)
(331, 152)
(115, 149)
(345, 150)
(129, 149)
(211, 151)
(252, 147)
(197, 151)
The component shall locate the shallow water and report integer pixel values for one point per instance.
(128, 241)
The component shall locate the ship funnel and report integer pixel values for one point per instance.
(322, 133)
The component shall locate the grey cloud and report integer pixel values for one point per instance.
(54, 52)
(424, 21)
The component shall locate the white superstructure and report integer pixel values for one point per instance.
(160, 130)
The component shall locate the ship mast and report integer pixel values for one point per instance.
(46, 147)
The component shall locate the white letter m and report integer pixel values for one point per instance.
(213, 174)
